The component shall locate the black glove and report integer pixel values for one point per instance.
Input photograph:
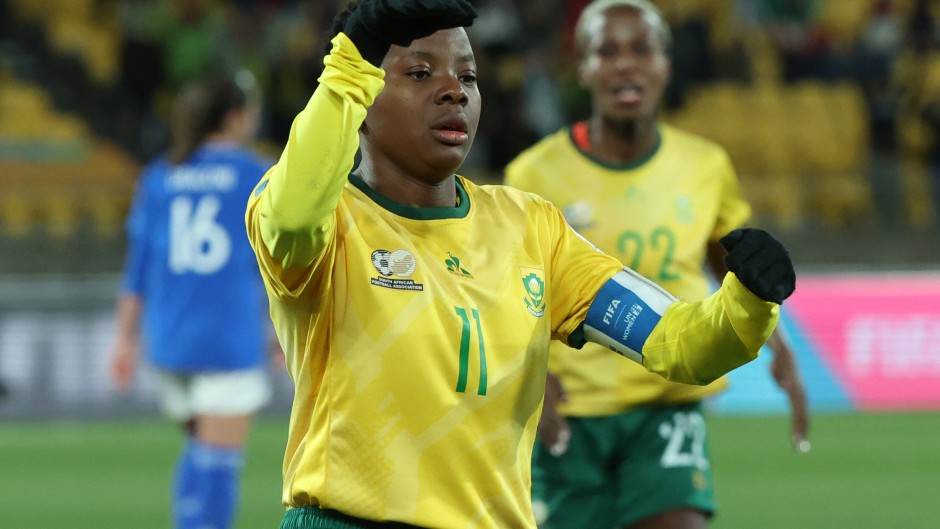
(761, 263)
(377, 24)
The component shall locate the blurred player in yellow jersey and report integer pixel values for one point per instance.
(416, 309)
(621, 447)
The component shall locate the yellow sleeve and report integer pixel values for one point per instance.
(578, 270)
(696, 343)
(291, 214)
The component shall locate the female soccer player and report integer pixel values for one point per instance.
(628, 449)
(192, 279)
(416, 308)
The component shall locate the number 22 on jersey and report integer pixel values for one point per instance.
(632, 247)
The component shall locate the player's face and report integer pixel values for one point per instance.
(426, 117)
(624, 65)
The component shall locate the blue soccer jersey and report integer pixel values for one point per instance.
(190, 261)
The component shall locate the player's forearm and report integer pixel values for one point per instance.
(304, 187)
(778, 342)
(695, 343)
(129, 308)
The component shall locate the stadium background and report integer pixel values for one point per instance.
(830, 110)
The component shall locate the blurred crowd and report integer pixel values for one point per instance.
(888, 49)
(525, 56)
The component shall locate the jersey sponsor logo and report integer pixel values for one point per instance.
(453, 266)
(684, 211)
(634, 194)
(396, 284)
(400, 263)
(580, 215)
(534, 291)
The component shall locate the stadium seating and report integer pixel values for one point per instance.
(801, 150)
(55, 174)
(87, 29)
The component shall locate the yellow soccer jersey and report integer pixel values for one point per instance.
(417, 338)
(425, 358)
(657, 216)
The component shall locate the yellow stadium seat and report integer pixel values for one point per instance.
(920, 211)
(60, 213)
(107, 211)
(799, 150)
(16, 216)
(30, 10)
(914, 136)
(24, 99)
(845, 19)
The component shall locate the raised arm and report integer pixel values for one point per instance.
(290, 217)
(292, 210)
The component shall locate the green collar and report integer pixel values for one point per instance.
(619, 166)
(416, 213)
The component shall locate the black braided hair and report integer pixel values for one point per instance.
(339, 22)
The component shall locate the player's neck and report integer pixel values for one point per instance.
(406, 190)
(222, 138)
(622, 142)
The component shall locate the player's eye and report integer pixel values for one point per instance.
(642, 49)
(419, 74)
(606, 50)
(468, 78)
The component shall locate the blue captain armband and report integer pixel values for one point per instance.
(624, 313)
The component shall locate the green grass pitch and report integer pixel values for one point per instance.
(865, 471)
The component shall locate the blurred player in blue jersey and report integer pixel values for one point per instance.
(192, 284)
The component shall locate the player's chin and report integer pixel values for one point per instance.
(624, 114)
(451, 155)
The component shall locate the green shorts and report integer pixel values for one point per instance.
(317, 518)
(620, 469)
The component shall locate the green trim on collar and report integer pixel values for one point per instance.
(619, 166)
(417, 213)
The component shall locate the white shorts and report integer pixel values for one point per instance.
(216, 393)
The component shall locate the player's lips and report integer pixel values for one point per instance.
(628, 93)
(452, 130)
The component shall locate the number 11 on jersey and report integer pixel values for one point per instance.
(465, 351)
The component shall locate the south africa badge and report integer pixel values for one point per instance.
(534, 286)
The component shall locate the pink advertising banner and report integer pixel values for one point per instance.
(878, 335)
